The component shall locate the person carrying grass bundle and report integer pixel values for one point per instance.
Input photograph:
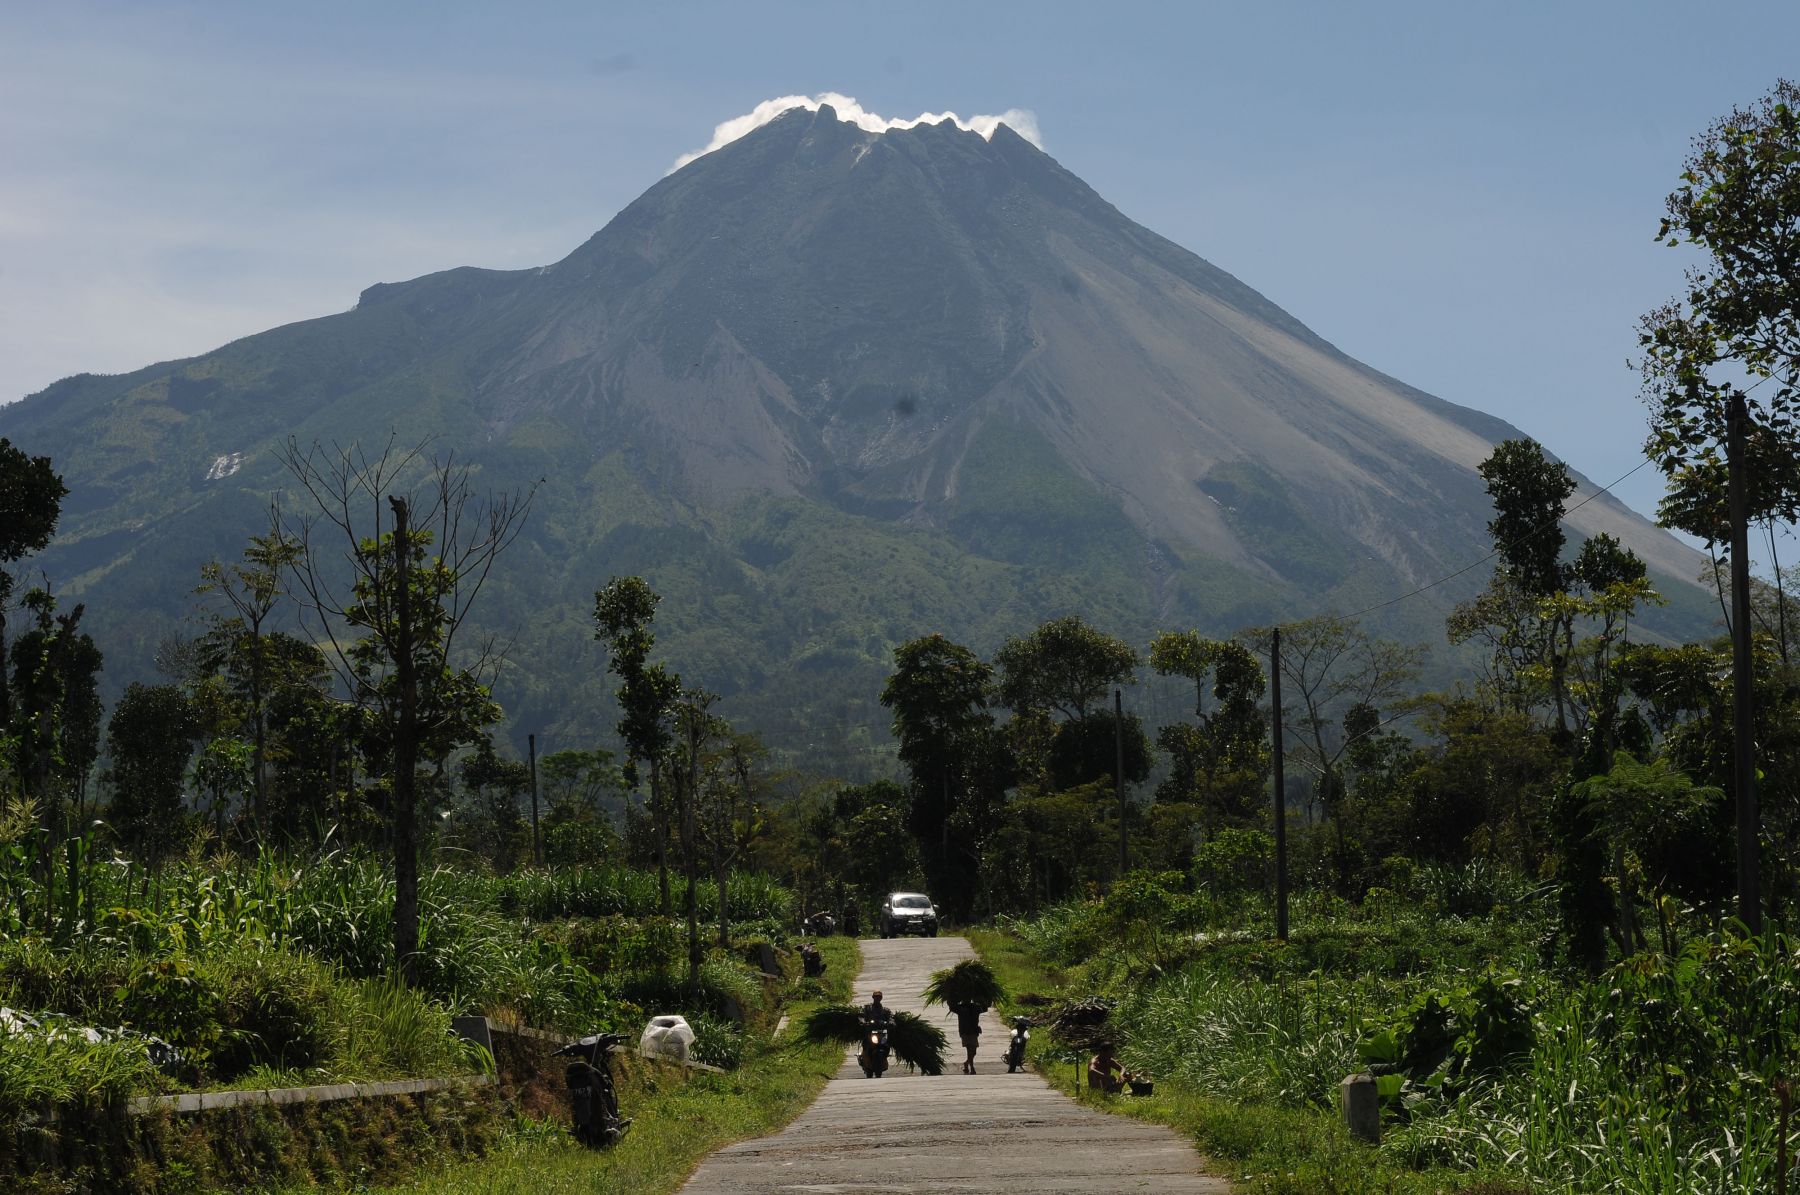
(968, 1027)
(968, 989)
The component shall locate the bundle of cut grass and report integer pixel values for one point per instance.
(833, 1022)
(968, 982)
(1084, 1024)
(917, 1043)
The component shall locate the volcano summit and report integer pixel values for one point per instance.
(826, 388)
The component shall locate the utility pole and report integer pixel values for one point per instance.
(1281, 874)
(1119, 776)
(1743, 745)
(537, 843)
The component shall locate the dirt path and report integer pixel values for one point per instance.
(990, 1131)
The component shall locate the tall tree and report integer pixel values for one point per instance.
(55, 673)
(1528, 490)
(414, 579)
(939, 694)
(149, 740)
(495, 786)
(1736, 332)
(584, 791)
(31, 495)
(250, 591)
(1064, 665)
(1218, 761)
(624, 609)
(734, 793)
(695, 732)
(1330, 665)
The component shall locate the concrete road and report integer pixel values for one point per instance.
(990, 1131)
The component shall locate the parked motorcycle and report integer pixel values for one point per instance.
(874, 1055)
(821, 925)
(593, 1099)
(1015, 1048)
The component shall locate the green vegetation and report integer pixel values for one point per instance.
(1662, 1076)
(678, 1117)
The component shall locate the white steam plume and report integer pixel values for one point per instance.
(1020, 120)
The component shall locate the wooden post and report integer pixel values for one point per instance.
(1281, 875)
(1119, 776)
(1743, 753)
(537, 842)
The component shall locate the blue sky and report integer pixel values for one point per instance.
(1461, 195)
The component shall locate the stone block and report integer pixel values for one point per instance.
(1360, 1106)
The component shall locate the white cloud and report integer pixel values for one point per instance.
(1020, 120)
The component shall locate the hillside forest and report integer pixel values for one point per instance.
(1515, 897)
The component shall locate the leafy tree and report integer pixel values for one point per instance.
(31, 495)
(695, 731)
(583, 791)
(494, 786)
(239, 636)
(1085, 750)
(1662, 827)
(1480, 789)
(585, 780)
(939, 694)
(1736, 332)
(1528, 491)
(1219, 761)
(1329, 665)
(731, 793)
(225, 767)
(149, 740)
(623, 611)
(1064, 665)
(415, 578)
(874, 842)
(55, 686)
(305, 732)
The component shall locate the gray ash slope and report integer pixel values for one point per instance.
(827, 389)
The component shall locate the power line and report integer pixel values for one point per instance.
(1546, 528)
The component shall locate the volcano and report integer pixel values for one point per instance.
(826, 389)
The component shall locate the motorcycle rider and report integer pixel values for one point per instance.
(876, 1012)
(876, 1015)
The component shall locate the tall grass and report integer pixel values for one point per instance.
(609, 891)
(1660, 1076)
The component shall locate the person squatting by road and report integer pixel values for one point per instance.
(1106, 1073)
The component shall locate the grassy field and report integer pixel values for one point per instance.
(679, 1117)
(1265, 1149)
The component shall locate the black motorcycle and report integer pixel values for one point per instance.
(593, 1100)
(1015, 1048)
(874, 1056)
(821, 925)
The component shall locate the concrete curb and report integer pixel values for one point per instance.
(213, 1101)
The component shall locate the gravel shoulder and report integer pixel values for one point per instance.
(990, 1132)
